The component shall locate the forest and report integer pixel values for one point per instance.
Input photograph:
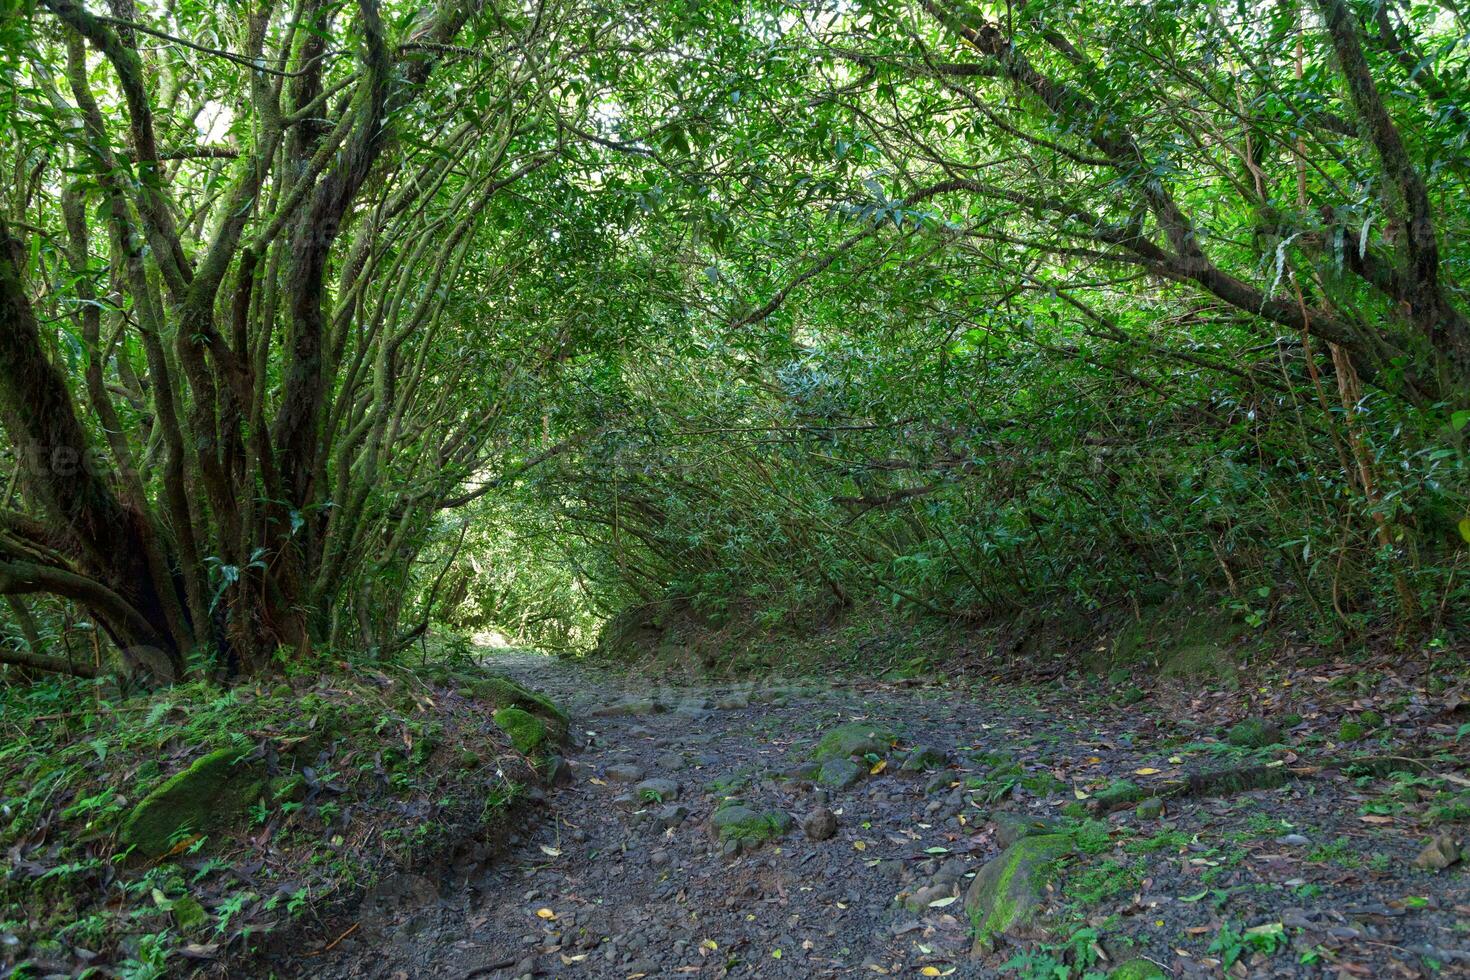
(1019, 382)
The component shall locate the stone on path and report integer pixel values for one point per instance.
(1439, 853)
(1011, 827)
(1009, 891)
(840, 774)
(624, 773)
(656, 791)
(820, 824)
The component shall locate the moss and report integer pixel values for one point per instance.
(738, 822)
(1118, 793)
(207, 795)
(188, 914)
(527, 732)
(854, 738)
(1137, 969)
(1042, 784)
(505, 693)
(1371, 719)
(1351, 731)
(1253, 733)
(1007, 893)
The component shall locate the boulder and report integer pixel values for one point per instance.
(1011, 827)
(745, 826)
(527, 732)
(1116, 794)
(206, 796)
(840, 774)
(922, 758)
(1008, 893)
(854, 738)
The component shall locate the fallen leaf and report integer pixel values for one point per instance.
(546, 914)
(550, 851)
(858, 845)
(1377, 819)
(1146, 771)
(878, 767)
(940, 903)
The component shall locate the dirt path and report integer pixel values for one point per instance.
(607, 886)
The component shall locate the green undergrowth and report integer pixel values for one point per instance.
(183, 825)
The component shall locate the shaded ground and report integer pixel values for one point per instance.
(1313, 877)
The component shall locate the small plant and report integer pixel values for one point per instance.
(1230, 944)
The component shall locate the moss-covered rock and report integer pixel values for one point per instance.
(1007, 894)
(210, 794)
(1116, 794)
(1351, 731)
(922, 758)
(840, 773)
(189, 915)
(1254, 733)
(505, 693)
(1011, 827)
(527, 732)
(1137, 969)
(854, 738)
(738, 822)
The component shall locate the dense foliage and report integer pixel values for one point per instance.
(324, 322)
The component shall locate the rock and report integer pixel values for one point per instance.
(1116, 794)
(938, 784)
(623, 773)
(1439, 853)
(806, 771)
(1254, 733)
(733, 701)
(209, 794)
(1007, 894)
(919, 899)
(672, 761)
(853, 738)
(506, 693)
(632, 706)
(1150, 809)
(556, 771)
(840, 774)
(1011, 827)
(922, 758)
(820, 824)
(1293, 840)
(527, 732)
(741, 824)
(671, 816)
(656, 791)
(1137, 969)
(729, 785)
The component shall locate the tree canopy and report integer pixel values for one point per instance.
(324, 322)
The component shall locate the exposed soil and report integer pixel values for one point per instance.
(1315, 876)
